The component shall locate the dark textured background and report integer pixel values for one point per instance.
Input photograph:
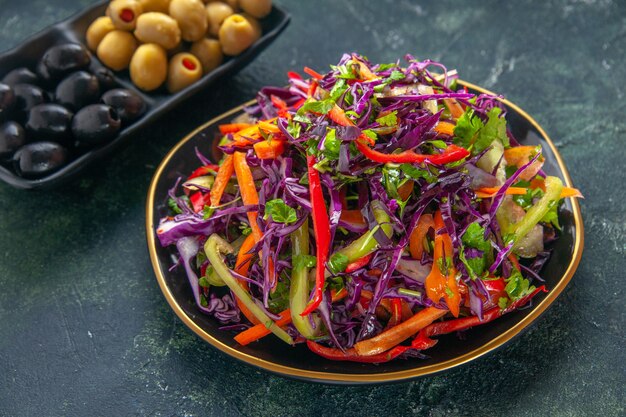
(84, 329)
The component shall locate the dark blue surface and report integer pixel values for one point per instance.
(84, 329)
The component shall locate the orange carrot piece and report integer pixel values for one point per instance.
(269, 149)
(518, 155)
(416, 240)
(242, 266)
(487, 192)
(456, 110)
(338, 116)
(312, 88)
(243, 137)
(445, 128)
(437, 284)
(268, 127)
(224, 174)
(313, 73)
(233, 127)
(405, 190)
(364, 71)
(398, 334)
(259, 331)
(248, 191)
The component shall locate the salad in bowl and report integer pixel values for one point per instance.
(365, 211)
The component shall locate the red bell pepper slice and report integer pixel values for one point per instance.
(204, 170)
(298, 104)
(199, 200)
(322, 233)
(359, 263)
(312, 89)
(293, 75)
(351, 355)
(278, 102)
(452, 153)
(465, 323)
(494, 285)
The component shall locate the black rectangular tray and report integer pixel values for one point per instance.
(159, 102)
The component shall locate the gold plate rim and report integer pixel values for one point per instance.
(334, 377)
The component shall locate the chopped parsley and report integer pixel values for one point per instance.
(280, 212)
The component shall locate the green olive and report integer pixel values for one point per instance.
(191, 18)
(254, 22)
(124, 13)
(209, 53)
(234, 4)
(256, 8)
(184, 70)
(161, 6)
(159, 28)
(216, 13)
(116, 49)
(98, 29)
(148, 68)
(236, 34)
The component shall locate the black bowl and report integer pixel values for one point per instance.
(298, 362)
(159, 102)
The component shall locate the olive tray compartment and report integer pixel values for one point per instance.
(159, 102)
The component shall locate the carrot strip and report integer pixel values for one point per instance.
(519, 155)
(242, 266)
(313, 73)
(364, 71)
(439, 284)
(445, 128)
(456, 110)
(268, 127)
(259, 331)
(224, 174)
(248, 191)
(312, 89)
(233, 127)
(397, 334)
(269, 149)
(338, 116)
(487, 192)
(405, 190)
(416, 240)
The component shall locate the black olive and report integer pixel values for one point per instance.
(50, 122)
(78, 90)
(46, 79)
(128, 104)
(39, 158)
(27, 96)
(11, 138)
(20, 75)
(63, 59)
(105, 78)
(7, 100)
(95, 124)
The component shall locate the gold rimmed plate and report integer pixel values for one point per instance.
(273, 355)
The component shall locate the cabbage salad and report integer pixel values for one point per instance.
(365, 211)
